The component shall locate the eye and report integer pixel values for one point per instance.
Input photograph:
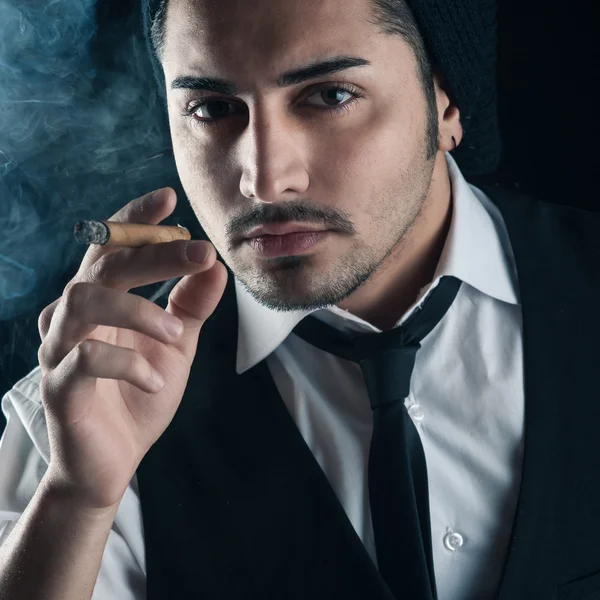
(331, 96)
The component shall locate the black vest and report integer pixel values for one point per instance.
(235, 506)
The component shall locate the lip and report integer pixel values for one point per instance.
(281, 229)
(271, 246)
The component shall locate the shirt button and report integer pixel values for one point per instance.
(416, 412)
(453, 541)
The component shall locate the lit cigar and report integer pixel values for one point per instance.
(129, 235)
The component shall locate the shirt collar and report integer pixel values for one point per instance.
(477, 251)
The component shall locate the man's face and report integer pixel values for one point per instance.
(270, 154)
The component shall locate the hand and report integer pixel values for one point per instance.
(101, 347)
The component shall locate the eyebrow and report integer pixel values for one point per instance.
(298, 75)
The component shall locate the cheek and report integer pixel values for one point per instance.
(369, 157)
(203, 175)
(191, 153)
(200, 165)
(192, 148)
(384, 138)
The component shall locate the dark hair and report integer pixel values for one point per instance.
(393, 17)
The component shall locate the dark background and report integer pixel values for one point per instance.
(546, 73)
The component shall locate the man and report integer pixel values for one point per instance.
(237, 499)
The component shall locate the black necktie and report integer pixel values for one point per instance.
(398, 489)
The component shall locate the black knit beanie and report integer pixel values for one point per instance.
(461, 39)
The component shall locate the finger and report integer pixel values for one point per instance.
(151, 208)
(194, 299)
(128, 268)
(75, 377)
(45, 319)
(86, 306)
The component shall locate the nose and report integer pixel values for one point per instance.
(273, 159)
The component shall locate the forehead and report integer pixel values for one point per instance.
(260, 37)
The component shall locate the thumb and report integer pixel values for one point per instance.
(194, 299)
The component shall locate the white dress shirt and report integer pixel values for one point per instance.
(466, 400)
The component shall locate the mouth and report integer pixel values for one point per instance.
(282, 229)
(290, 244)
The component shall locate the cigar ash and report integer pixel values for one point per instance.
(91, 232)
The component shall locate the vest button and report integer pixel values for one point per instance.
(416, 412)
(453, 541)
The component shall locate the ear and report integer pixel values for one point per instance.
(448, 116)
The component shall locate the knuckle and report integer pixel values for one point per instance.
(76, 297)
(84, 354)
(108, 269)
(46, 387)
(41, 357)
(169, 255)
(160, 256)
(44, 321)
(100, 269)
(48, 357)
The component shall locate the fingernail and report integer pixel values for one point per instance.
(197, 251)
(157, 381)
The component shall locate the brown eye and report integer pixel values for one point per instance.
(212, 111)
(332, 96)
